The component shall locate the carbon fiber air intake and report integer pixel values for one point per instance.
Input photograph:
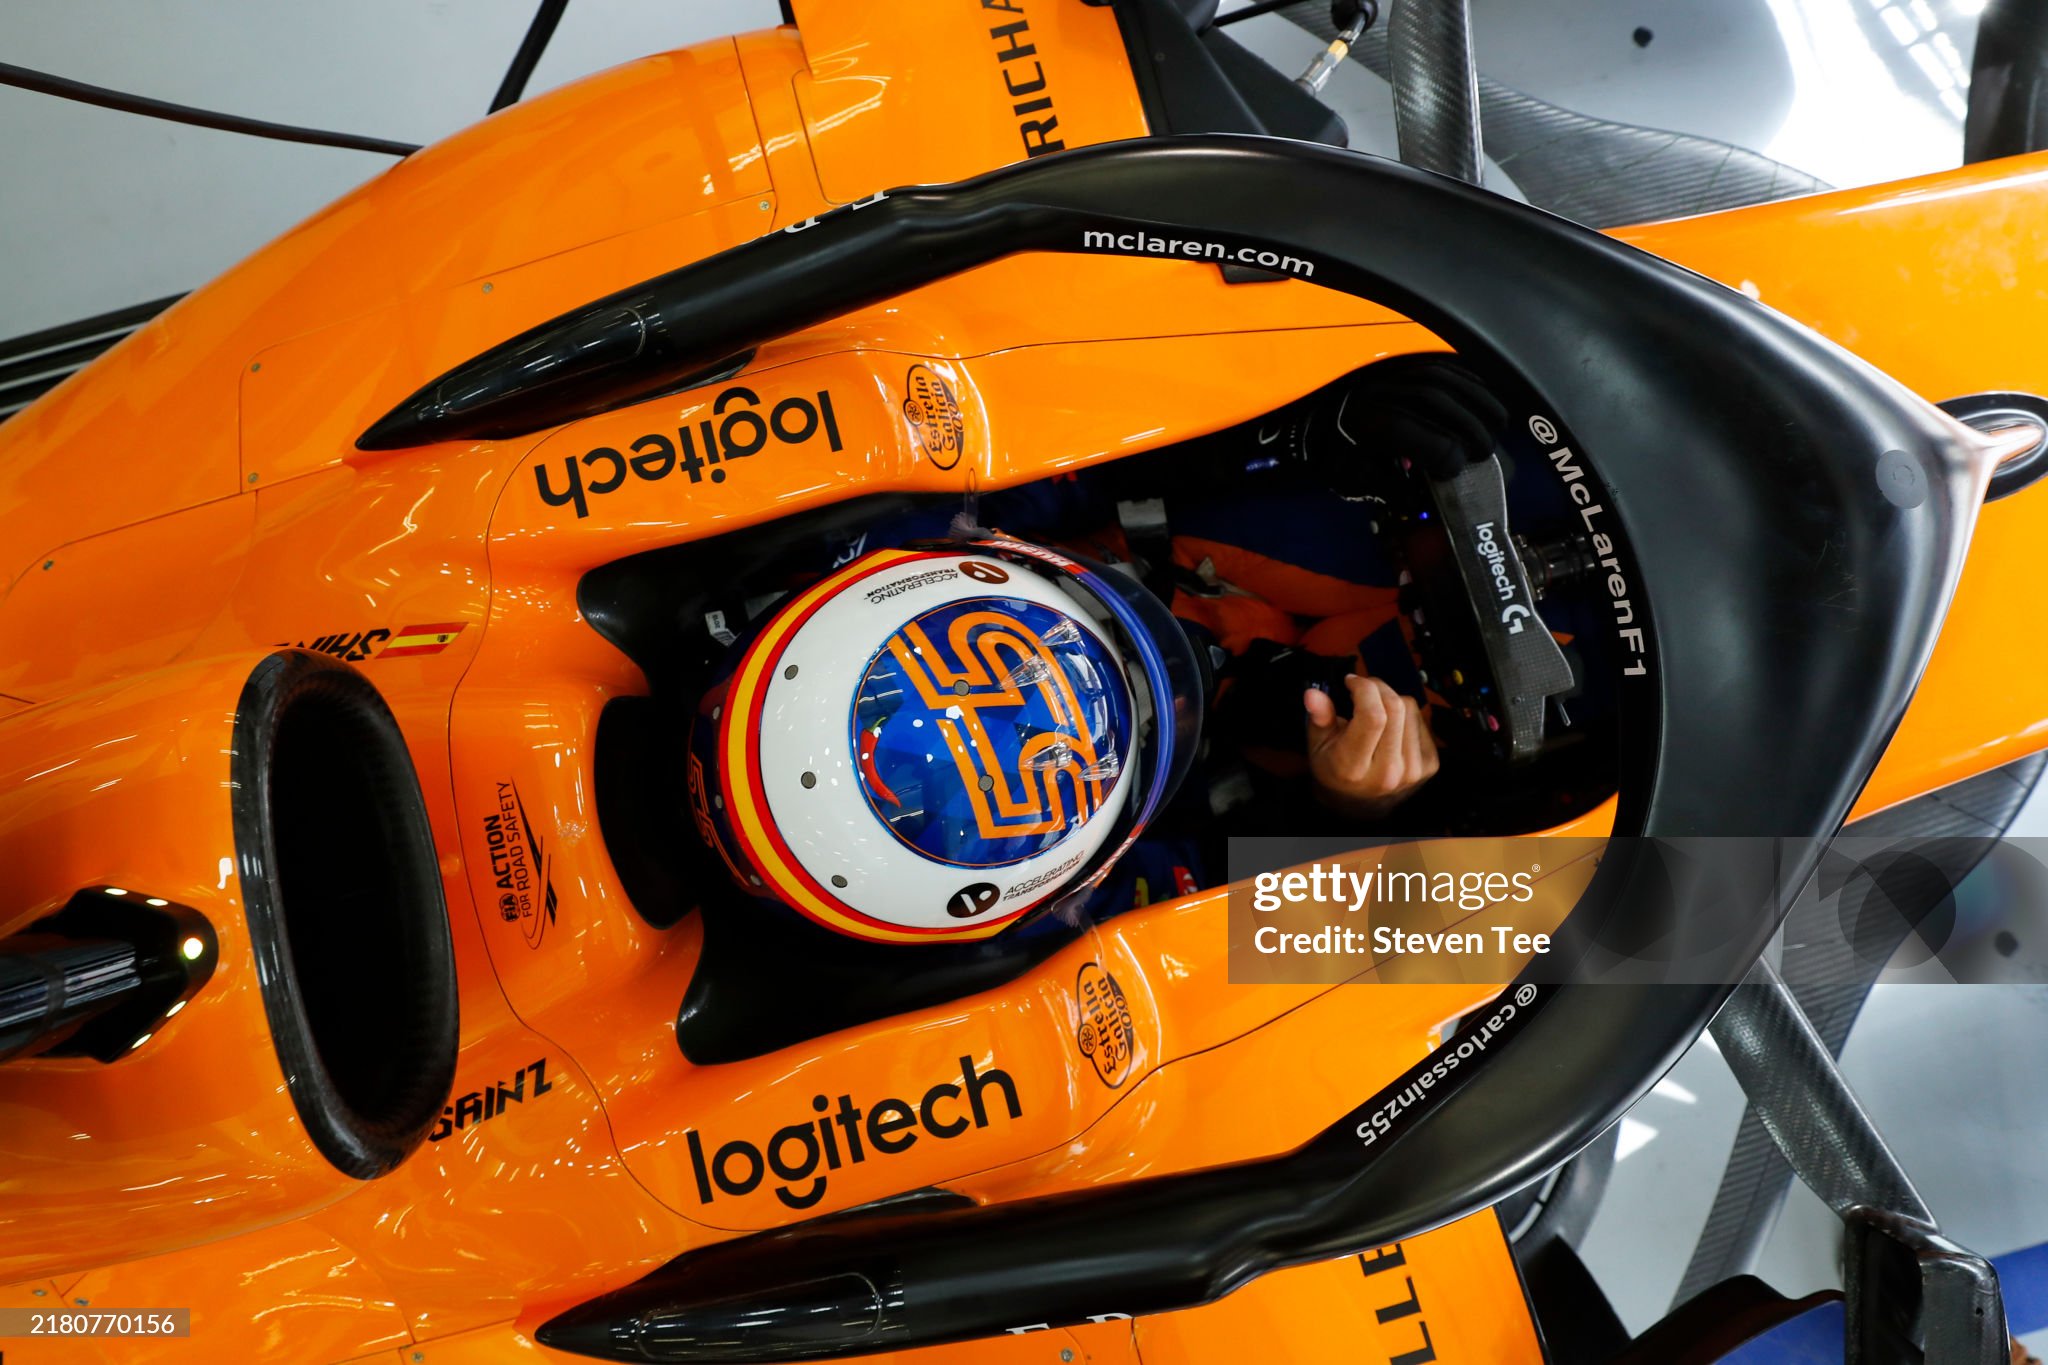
(269, 1027)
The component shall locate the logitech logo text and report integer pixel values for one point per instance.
(801, 1155)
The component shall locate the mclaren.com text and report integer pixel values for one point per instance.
(1193, 248)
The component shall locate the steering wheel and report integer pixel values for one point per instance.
(1785, 525)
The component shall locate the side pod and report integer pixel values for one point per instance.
(234, 984)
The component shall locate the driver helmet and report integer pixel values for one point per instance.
(931, 742)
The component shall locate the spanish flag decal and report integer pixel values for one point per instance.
(420, 640)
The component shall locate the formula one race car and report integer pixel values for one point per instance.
(570, 769)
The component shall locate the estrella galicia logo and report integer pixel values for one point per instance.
(519, 867)
(734, 431)
(845, 1137)
(1102, 1026)
(934, 416)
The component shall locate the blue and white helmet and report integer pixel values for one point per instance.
(929, 743)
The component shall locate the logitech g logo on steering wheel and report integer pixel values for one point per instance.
(1494, 556)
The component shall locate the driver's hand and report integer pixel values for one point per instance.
(1428, 408)
(1371, 763)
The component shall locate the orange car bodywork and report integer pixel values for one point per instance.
(195, 498)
